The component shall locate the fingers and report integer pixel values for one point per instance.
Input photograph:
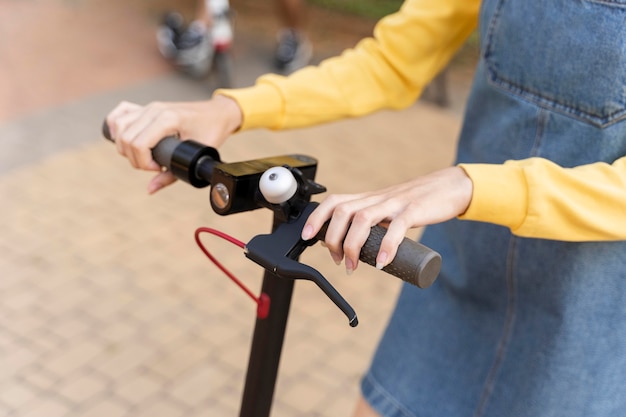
(129, 126)
(351, 219)
(335, 231)
(123, 108)
(137, 129)
(396, 231)
(371, 212)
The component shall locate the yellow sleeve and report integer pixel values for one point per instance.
(388, 70)
(537, 198)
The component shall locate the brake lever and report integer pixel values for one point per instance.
(278, 253)
(291, 269)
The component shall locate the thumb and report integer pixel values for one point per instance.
(161, 180)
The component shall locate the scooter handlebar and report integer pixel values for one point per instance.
(414, 263)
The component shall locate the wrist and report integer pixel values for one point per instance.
(232, 113)
(465, 188)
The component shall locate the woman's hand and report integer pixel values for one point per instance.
(137, 129)
(431, 199)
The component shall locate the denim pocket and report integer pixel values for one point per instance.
(565, 55)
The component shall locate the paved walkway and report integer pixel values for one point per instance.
(107, 308)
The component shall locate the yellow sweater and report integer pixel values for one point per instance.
(534, 197)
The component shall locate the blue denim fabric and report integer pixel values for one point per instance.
(518, 327)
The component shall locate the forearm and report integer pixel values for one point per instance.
(537, 198)
(387, 71)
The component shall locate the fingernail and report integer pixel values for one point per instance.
(307, 232)
(336, 258)
(381, 260)
(349, 267)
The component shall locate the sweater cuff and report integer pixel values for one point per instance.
(264, 98)
(500, 194)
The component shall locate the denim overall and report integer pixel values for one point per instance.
(518, 327)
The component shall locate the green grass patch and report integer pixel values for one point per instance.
(374, 9)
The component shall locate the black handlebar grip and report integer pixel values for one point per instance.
(188, 160)
(414, 263)
(106, 132)
(164, 150)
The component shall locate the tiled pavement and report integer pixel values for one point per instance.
(107, 308)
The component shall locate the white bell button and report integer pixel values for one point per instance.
(278, 185)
